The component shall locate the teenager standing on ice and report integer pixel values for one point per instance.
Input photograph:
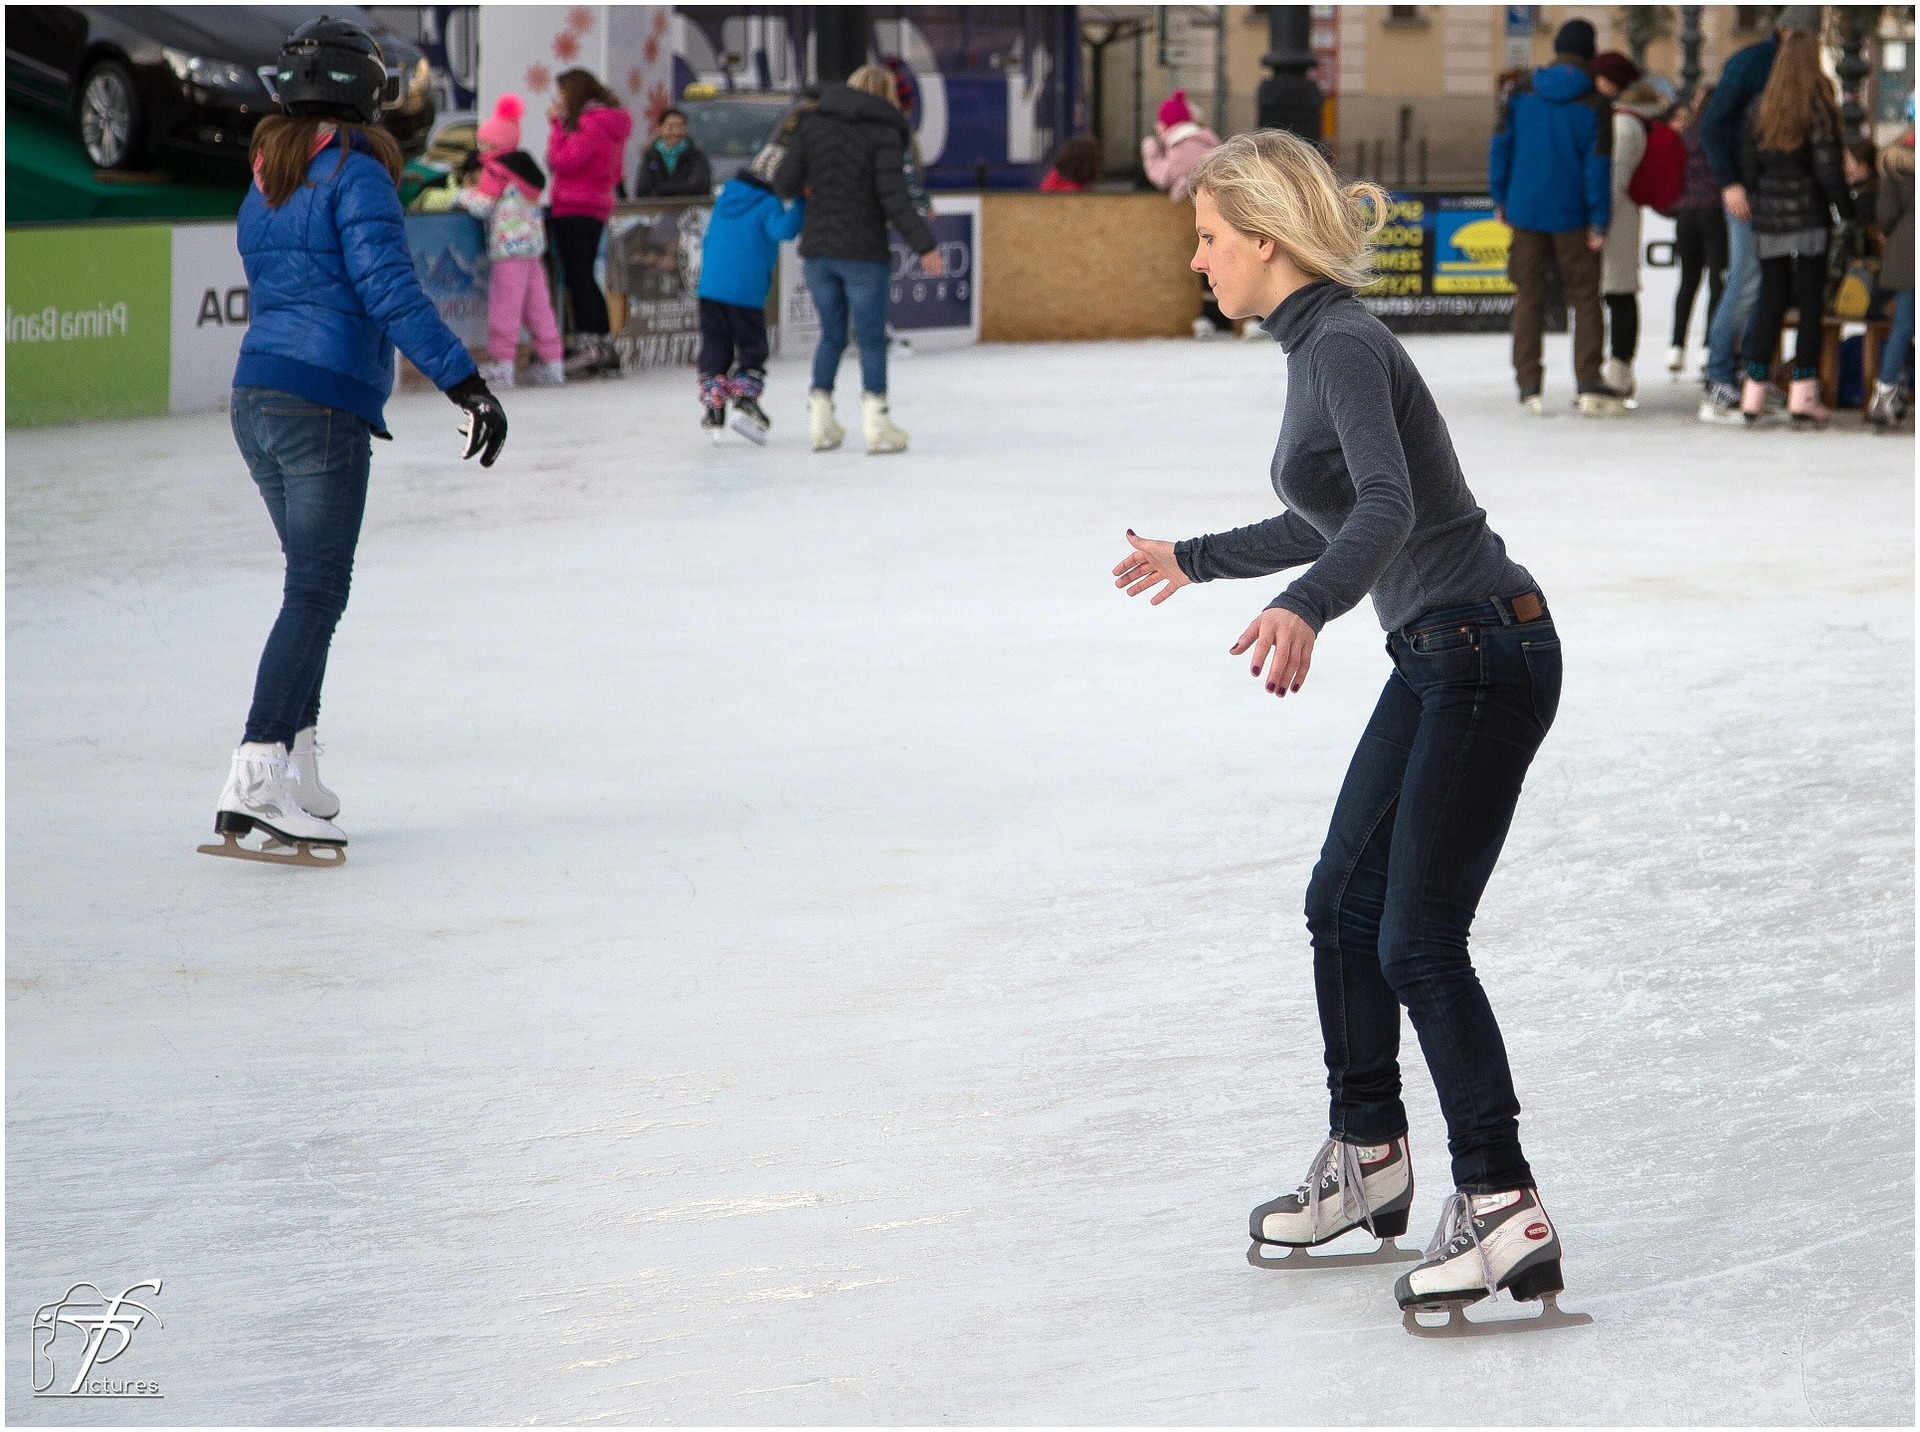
(333, 285)
(1377, 505)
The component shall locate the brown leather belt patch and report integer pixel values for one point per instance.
(1527, 608)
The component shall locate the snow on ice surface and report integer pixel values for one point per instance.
(812, 951)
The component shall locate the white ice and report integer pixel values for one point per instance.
(812, 951)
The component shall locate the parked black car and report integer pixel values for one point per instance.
(159, 85)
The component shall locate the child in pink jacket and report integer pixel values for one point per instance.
(507, 200)
(1181, 143)
(587, 150)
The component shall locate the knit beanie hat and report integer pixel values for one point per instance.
(1173, 109)
(502, 129)
(1799, 17)
(1612, 65)
(1576, 39)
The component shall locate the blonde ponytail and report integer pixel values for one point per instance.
(1278, 186)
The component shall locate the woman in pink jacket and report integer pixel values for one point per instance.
(587, 152)
(1169, 156)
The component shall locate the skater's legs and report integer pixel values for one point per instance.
(575, 242)
(1487, 695)
(1580, 275)
(829, 294)
(716, 339)
(507, 285)
(1623, 324)
(867, 284)
(537, 314)
(750, 348)
(1529, 256)
(1690, 252)
(1768, 317)
(1737, 299)
(310, 463)
(1359, 1014)
(1896, 352)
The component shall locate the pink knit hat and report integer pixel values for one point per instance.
(502, 130)
(1173, 109)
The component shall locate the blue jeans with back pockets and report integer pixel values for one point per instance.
(310, 463)
(1417, 828)
(1737, 301)
(856, 288)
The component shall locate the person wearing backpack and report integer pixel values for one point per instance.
(1636, 181)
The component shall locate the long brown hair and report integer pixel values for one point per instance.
(283, 147)
(1798, 99)
(578, 89)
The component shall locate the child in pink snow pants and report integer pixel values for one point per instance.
(507, 198)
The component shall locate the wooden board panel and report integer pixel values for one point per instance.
(1066, 266)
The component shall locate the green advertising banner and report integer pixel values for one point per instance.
(87, 322)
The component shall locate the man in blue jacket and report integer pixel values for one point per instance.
(1550, 170)
(1741, 82)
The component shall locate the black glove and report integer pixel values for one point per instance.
(486, 426)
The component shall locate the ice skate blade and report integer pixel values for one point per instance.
(279, 852)
(749, 430)
(1283, 1257)
(1459, 1325)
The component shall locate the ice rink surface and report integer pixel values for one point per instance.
(812, 951)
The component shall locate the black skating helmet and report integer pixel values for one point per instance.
(333, 67)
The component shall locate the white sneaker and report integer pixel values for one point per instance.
(1602, 405)
(304, 758)
(1618, 375)
(497, 375)
(822, 425)
(1486, 1243)
(260, 792)
(1349, 1186)
(1676, 361)
(882, 435)
(547, 375)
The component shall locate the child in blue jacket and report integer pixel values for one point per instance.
(333, 290)
(736, 268)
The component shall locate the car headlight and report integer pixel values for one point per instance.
(210, 74)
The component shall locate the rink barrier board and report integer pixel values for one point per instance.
(1087, 266)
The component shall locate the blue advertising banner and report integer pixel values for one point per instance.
(450, 255)
(922, 300)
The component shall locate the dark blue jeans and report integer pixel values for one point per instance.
(1415, 834)
(859, 287)
(310, 463)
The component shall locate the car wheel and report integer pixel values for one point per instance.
(109, 116)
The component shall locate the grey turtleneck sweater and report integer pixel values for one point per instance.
(1373, 492)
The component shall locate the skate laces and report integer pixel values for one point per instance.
(1457, 1226)
(1341, 1163)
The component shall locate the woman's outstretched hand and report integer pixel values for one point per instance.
(1148, 565)
(1280, 635)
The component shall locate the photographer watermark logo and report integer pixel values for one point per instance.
(73, 1339)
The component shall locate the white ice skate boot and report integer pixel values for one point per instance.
(1350, 1186)
(882, 435)
(547, 375)
(1487, 1242)
(313, 798)
(1677, 360)
(259, 800)
(822, 425)
(497, 375)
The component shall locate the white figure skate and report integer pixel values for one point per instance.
(312, 797)
(882, 435)
(259, 800)
(1485, 1243)
(1349, 1186)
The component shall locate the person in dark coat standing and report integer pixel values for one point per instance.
(1550, 171)
(1699, 233)
(1721, 127)
(848, 157)
(673, 166)
(1790, 167)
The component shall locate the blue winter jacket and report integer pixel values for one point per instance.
(1550, 165)
(332, 289)
(1723, 126)
(743, 242)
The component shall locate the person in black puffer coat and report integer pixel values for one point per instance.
(848, 158)
(1790, 164)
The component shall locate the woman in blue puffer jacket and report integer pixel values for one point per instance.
(333, 290)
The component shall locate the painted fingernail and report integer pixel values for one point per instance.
(1272, 687)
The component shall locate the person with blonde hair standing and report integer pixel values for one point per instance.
(848, 159)
(1376, 504)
